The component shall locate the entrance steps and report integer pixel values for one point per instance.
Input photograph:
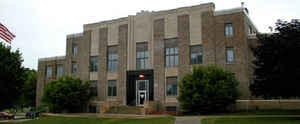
(125, 110)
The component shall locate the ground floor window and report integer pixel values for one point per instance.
(171, 86)
(92, 109)
(112, 88)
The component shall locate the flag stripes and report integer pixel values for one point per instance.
(5, 34)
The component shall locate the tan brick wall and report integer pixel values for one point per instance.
(43, 80)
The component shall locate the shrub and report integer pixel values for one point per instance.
(66, 95)
(208, 89)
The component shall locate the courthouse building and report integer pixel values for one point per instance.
(143, 57)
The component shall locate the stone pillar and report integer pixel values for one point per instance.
(102, 81)
(121, 85)
(158, 64)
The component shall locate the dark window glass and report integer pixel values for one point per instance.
(74, 67)
(141, 55)
(92, 109)
(113, 58)
(74, 49)
(229, 54)
(196, 54)
(94, 87)
(112, 88)
(172, 86)
(94, 64)
(59, 70)
(49, 72)
(171, 52)
(228, 30)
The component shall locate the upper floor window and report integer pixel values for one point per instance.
(228, 30)
(112, 88)
(196, 54)
(94, 87)
(59, 70)
(74, 49)
(171, 52)
(113, 58)
(229, 54)
(74, 67)
(49, 71)
(94, 64)
(172, 86)
(141, 55)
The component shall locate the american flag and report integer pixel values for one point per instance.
(5, 34)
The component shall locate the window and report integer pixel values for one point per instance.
(113, 58)
(229, 54)
(141, 55)
(93, 109)
(74, 67)
(172, 86)
(94, 64)
(171, 53)
(228, 30)
(94, 87)
(59, 70)
(197, 54)
(49, 72)
(74, 49)
(112, 88)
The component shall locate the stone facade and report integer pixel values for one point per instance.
(194, 25)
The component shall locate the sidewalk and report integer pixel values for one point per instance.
(187, 120)
(103, 115)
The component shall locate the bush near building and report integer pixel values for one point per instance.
(66, 95)
(208, 89)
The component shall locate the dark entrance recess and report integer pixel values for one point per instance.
(132, 77)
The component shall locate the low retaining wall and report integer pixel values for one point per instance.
(267, 104)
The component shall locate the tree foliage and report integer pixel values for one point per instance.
(207, 90)
(277, 65)
(11, 76)
(66, 95)
(29, 89)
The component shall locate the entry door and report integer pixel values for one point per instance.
(142, 96)
(142, 92)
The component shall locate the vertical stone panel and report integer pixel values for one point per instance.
(184, 45)
(158, 64)
(208, 38)
(102, 81)
(123, 38)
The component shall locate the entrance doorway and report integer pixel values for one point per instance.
(139, 87)
(142, 92)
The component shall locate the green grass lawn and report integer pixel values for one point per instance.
(74, 120)
(281, 120)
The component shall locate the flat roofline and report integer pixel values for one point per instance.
(75, 35)
(52, 58)
(236, 10)
(154, 12)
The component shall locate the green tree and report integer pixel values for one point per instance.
(29, 89)
(66, 95)
(208, 89)
(277, 64)
(11, 76)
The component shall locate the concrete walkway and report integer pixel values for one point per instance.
(187, 120)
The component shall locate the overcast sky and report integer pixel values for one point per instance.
(41, 26)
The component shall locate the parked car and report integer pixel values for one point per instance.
(7, 116)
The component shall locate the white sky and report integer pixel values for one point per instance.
(41, 26)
